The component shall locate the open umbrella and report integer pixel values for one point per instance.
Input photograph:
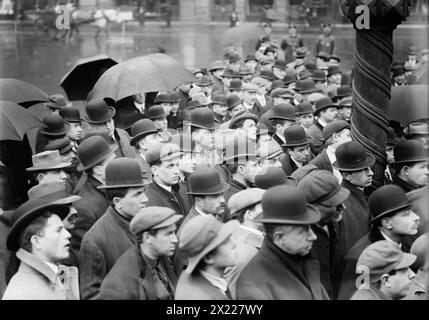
(15, 121)
(409, 103)
(79, 81)
(150, 73)
(21, 92)
(240, 34)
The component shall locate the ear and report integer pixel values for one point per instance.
(117, 202)
(142, 144)
(146, 237)
(385, 222)
(240, 169)
(208, 258)
(154, 169)
(40, 176)
(195, 136)
(385, 280)
(346, 176)
(35, 241)
(248, 215)
(404, 170)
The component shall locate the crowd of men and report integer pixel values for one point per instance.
(245, 184)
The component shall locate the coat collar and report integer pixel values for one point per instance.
(37, 264)
(238, 185)
(122, 221)
(406, 186)
(353, 189)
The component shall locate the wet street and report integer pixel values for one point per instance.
(32, 57)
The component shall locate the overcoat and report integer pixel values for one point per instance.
(195, 287)
(321, 161)
(123, 142)
(176, 200)
(317, 141)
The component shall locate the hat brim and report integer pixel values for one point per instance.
(242, 117)
(308, 139)
(212, 126)
(310, 91)
(12, 241)
(53, 134)
(281, 118)
(168, 222)
(407, 261)
(225, 231)
(101, 157)
(237, 157)
(412, 160)
(124, 185)
(110, 114)
(68, 200)
(141, 135)
(62, 165)
(368, 162)
(311, 216)
(221, 188)
(317, 111)
(391, 211)
(339, 197)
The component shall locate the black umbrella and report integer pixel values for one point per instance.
(78, 82)
(409, 103)
(21, 92)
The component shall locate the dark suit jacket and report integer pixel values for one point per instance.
(288, 165)
(127, 114)
(158, 196)
(144, 166)
(321, 161)
(123, 142)
(195, 287)
(317, 141)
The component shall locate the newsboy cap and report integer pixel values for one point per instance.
(334, 127)
(151, 218)
(162, 152)
(245, 199)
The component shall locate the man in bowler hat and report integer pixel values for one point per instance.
(392, 220)
(74, 131)
(144, 271)
(283, 116)
(297, 149)
(53, 128)
(281, 270)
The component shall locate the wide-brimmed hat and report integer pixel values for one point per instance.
(94, 150)
(216, 65)
(386, 201)
(334, 127)
(239, 149)
(47, 160)
(284, 111)
(409, 151)
(235, 85)
(319, 75)
(54, 126)
(71, 115)
(290, 78)
(98, 111)
(306, 86)
(333, 70)
(287, 205)
(322, 187)
(58, 101)
(343, 91)
(304, 108)
(202, 235)
(52, 192)
(245, 199)
(242, 116)
(295, 136)
(203, 118)
(352, 156)
(324, 103)
(273, 176)
(416, 129)
(204, 81)
(206, 181)
(26, 213)
(232, 101)
(156, 112)
(152, 218)
(63, 145)
(123, 173)
(141, 129)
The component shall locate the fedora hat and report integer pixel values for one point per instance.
(58, 101)
(47, 160)
(202, 235)
(229, 73)
(163, 97)
(284, 111)
(334, 127)
(152, 218)
(26, 213)
(295, 136)
(300, 52)
(98, 111)
(52, 192)
(386, 201)
(409, 151)
(304, 108)
(245, 199)
(235, 85)
(343, 91)
(238, 150)
(123, 173)
(324, 103)
(319, 75)
(54, 126)
(290, 78)
(243, 116)
(218, 98)
(94, 150)
(184, 141)
(206, 181)
(287, 205)
(203, 118)
(156, 112)
(232, 101)
(334, 69)
(141, 129)
(71, 115)
(273, 176)
(416, 129)
(352, 156)
(306, 86)
(216, 65)
(63, 146)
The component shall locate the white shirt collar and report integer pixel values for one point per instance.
(140, 107)
(200, 212)
(332, 158)
(388, 239)
(298, 164)
(218, 282)
(281, 137)
(322, 123)
(163, 186)
(252, 230)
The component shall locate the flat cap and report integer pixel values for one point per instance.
(151, 218)
(334, 127)
(245, 199)
(162, 152)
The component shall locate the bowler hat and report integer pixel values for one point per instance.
(232, 101)
(324, 103)
(273, 176)
(163, 97)
(204, 81)
(319, 75)
(152, 218)
(235, 85)
(305, 74)
(141, 129)
(58, 101)
(310, 66)
(295, 136)
(265, 60)
(343, 91)
(229, 73)
(26, 213)
(193, 104)
(203, 118)
(266, 74)
(218, 98)
(239, 149)
(63, 145)
(70, 114)
(52, 192)
(334, 57)
(386, 201)
(323, 55)
(54, 126)
(97, 111)
(409, 151)
(334, 69)
(216, 65)
(304, 108)
(383, 257)
(162, 152)
(156, 112)
(243, 116)
(245, 199)
(250, 56)
(397, 70)
(198, 70)
(276, 84)
(184, 141)
(282, 92)
(202, 235)
(206, 181)
(416, 129)
(334, 127)
(287, 205)
(284, 111)
(280, 63)
(289, 78)
(322, 187)
(47, 160)
(345, 102)
(123, 173)
(92, 151)
(300, 52)
(306, 86)
(352, 156)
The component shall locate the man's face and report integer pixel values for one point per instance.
(329, 114)
(139, 98)
(335, 78)
(399, 79)
(220, 109)
(389, 154)
(343, 136)
(249, 97)
(296, 240)
(168, 172)
(322, 85)
(404, 223)
(249, 171)
(299, 68)
(167, 106)
(75, 131)
(306, 120)
(108, 126)
(214, 204)
(236, 110)
(361, 178)
(247, 77)
(100, 169)
(292, 31)
(400, 283)
(134, 200)
(225, 255)
(149, 141)
(165, 241)
(69, 157)
(249, 129)
(226, 81)
(217, 73)
(300, 154)
(346, 112)
(279, 73)
(174, 107)
(251, 64)
(204, 138)
(418, 173)
(235, 65)
(54, 242)
(161, 123)
(187, 163)
(52, 176)
(281, 127)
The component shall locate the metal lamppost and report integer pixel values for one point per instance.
(374, 22)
